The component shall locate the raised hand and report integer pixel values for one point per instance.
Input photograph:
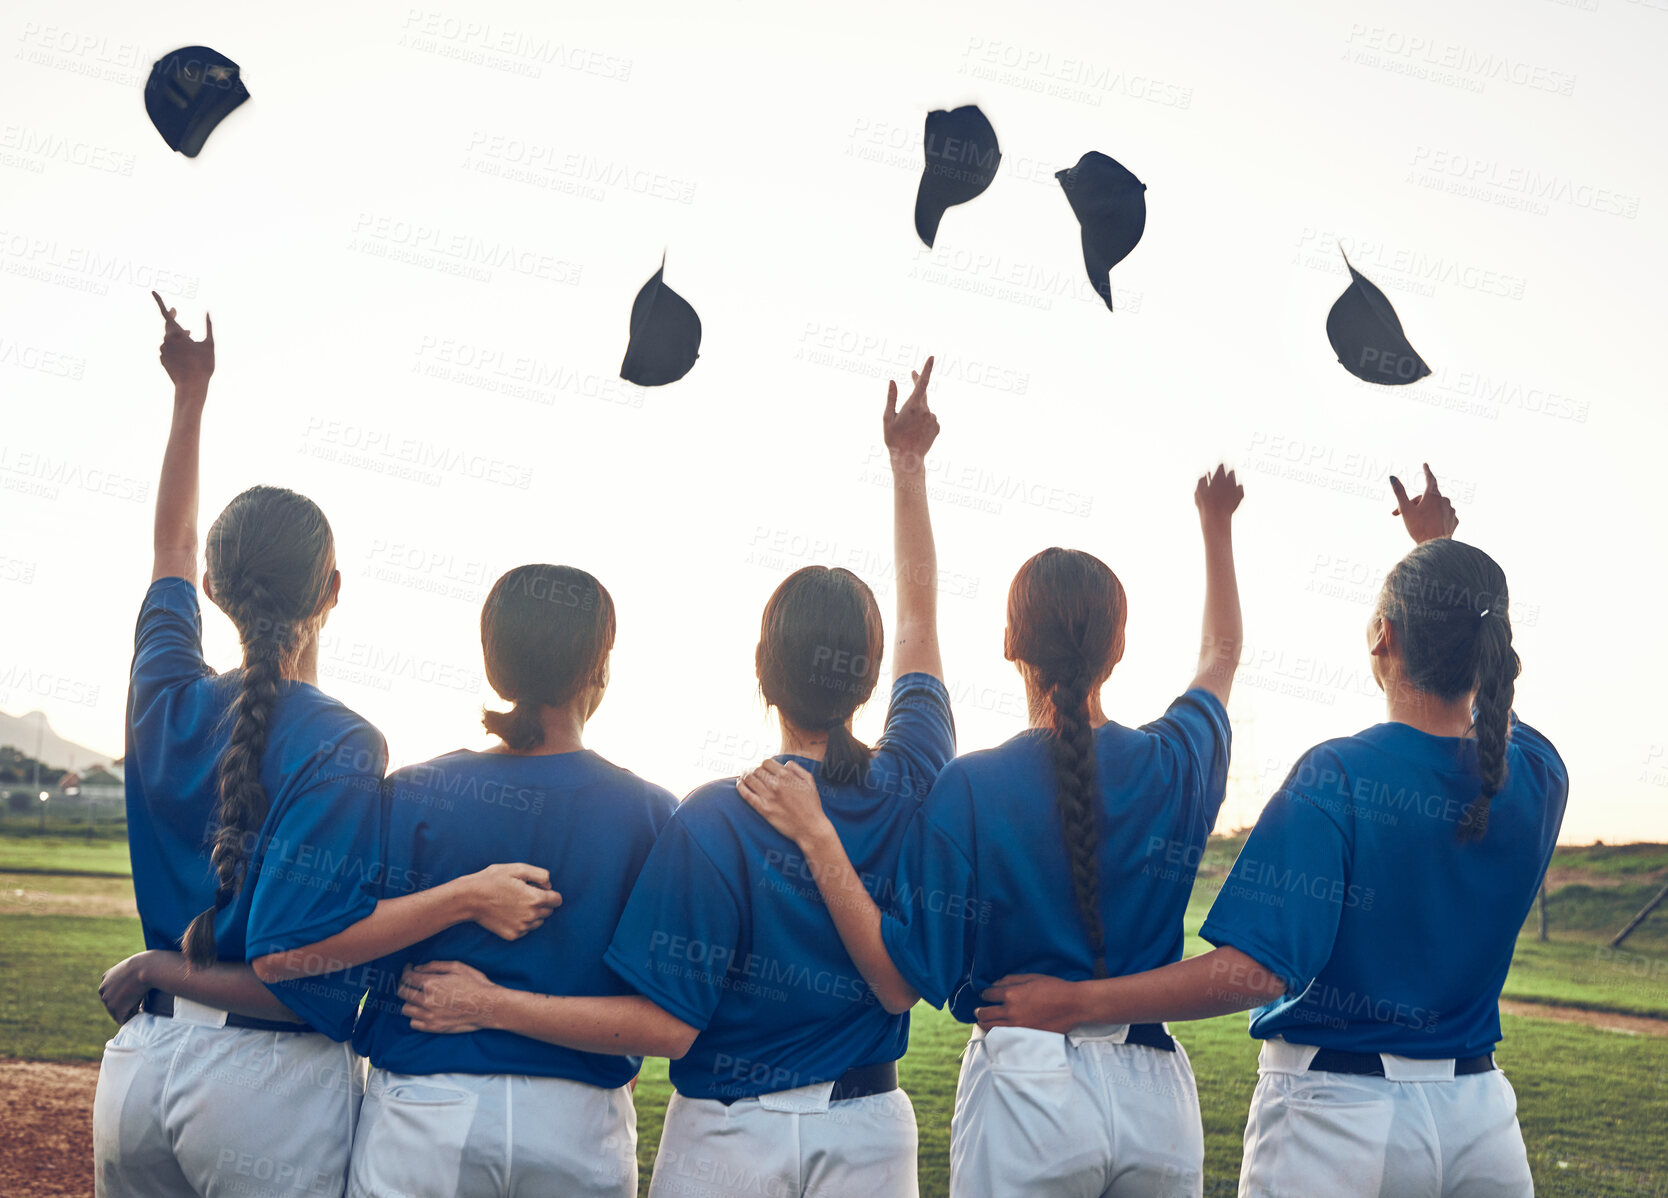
(910, 430)
(512, 900)
(446, 997)
(1428, 517)
(1217, 496)
(786, 795)
(189, 363)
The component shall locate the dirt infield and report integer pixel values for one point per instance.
(47, 1111)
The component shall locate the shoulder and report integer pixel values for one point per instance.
(1532, 744)
(171, 594)
(337, 740)
(711, 806)
(657, 800)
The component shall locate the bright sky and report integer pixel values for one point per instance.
(422, 236)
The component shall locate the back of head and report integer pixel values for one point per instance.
(820, 645)
(1066, 612)
(1448, 604)
(546, 632)
(271, 559)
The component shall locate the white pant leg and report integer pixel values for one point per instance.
(219, 1112)
(1037, 1113)
(1158, 1135)
(132, 1154)
(258, 1114)
(791, 1145)
(1326, 1133)
(1482, 1146)
(859, 1148)
(1318, 1134)
(483, 1135)
(571, 1139)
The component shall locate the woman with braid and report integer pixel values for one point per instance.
(254, 816)
(1372, 914)
(784, 1060)
(1068, 850)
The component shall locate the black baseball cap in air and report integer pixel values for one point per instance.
(962, 157)
(190, 92)
(1111, 207)
(665, 335)
(1367, 336)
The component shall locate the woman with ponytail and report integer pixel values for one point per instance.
(785, 1065)
(254, 810)
(1068, 850)
(1372, 915)
(463, 1114)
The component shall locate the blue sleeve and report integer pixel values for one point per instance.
(929, 929)
(321, 865)
(920, 731)
(1551, 778)
(1196, 728)
(1282, 901)
(679, 933)
(168, 640)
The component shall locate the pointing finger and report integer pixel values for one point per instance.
(1430, 482)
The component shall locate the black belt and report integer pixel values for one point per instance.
(1370, 1064)
(160, 1002)
(1151, 1035)
(853, 1083)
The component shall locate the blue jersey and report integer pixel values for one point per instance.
(1393, 934)
(313, 869)
(984, 881)
(590, 823)
(727, 931)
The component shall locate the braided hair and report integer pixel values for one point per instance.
(818, 660)
(1066, 613)
(271, 559)
(1448, 604)
(546, 632)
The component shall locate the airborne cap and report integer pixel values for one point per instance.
(190, 92)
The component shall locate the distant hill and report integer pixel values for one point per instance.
(32, 735)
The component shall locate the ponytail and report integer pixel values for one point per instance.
(1448, 603)
(272, 569)
(243, 800)
(1073, 745)
(846, 759)
(1066, 613)
(1497, 669)
(546, 632)
(818, 660)
(520, 728)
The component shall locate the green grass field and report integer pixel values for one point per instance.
(1592, 1103)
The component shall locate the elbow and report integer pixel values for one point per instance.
(270, 968)
(898, 1002)
(676, 1043)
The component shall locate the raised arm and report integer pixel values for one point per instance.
(909, 433)
(189, 364)
(228, 986)
(507, 900)
(449, 996)
(786, 795)
(1219, 982)
(1217, 496)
